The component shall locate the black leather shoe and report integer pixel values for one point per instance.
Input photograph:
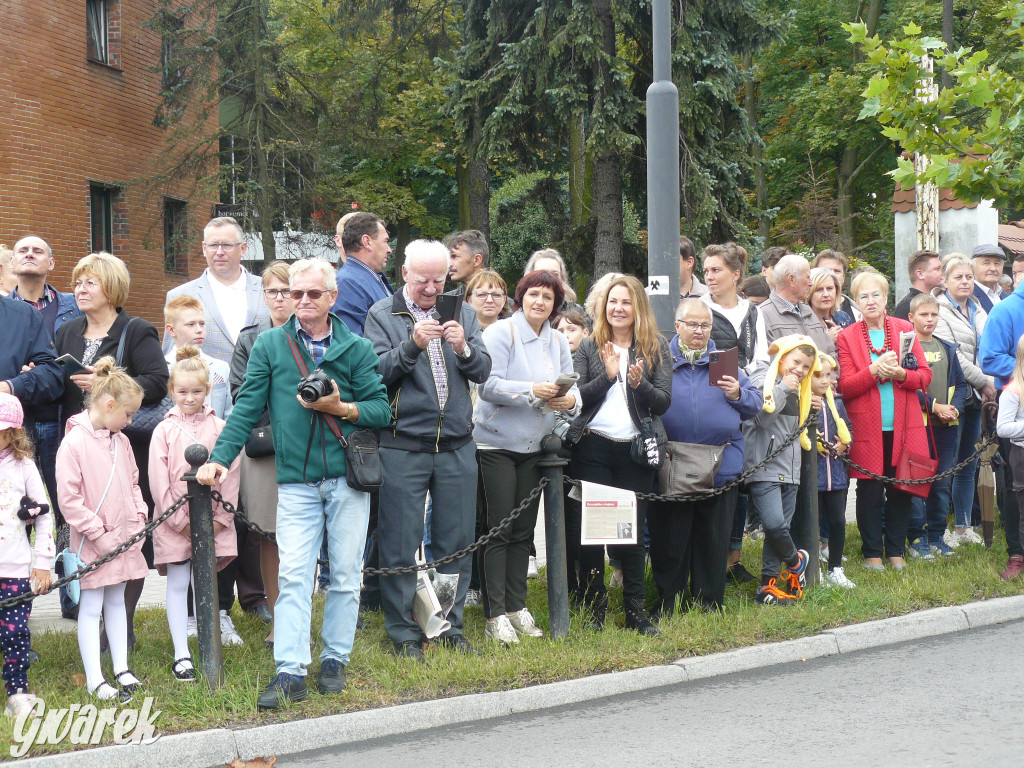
(263, 611)
(459, 644)
(332, 676)
(739, 574)
(282, 690)
(636, 617)
(410, 649)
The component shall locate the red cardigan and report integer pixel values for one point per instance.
(864, 402)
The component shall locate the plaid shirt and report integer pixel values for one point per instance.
(317, 348)
(433, 349)
(49, 295)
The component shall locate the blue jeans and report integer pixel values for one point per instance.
(303, 512)
(775, 504)
(964, 480)
(928, 517)
(325, 569)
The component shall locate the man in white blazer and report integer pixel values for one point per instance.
(232, 299)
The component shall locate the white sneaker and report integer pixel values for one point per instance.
(970, 536)
(501, 629)
(837, 578)
(531, 569)
(191, 630)
(523, 623)
(19, 702)
(472, 597)
(952, 538)
(228, 634)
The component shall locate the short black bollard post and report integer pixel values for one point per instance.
(204, 570)
(554, 536)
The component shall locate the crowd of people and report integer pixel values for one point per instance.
(277, 374)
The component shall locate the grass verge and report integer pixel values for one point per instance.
(376, 678)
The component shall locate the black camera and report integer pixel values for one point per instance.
(313, 387)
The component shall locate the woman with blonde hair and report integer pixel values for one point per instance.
(101, 283)
(549, 260)
(625, 383)
(961, 322)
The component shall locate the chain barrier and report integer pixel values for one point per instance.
(811, 420)
(982, 447)
(119, 549)
(482, 541)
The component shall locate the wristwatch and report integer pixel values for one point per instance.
(466, 352)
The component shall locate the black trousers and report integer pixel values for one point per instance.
(690, 548)
(508, 478)
(832, 507)
(880, 507)
(600, 460)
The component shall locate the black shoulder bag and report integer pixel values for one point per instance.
(363, 470)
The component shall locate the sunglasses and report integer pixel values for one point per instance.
(314, 295)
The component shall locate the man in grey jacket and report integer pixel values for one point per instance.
(786, 312)
(426, 367)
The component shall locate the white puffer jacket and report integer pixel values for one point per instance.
(955, 328)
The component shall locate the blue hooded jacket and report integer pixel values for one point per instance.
(701, 413)
(997, 351)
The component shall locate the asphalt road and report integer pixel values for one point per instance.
(953, 700)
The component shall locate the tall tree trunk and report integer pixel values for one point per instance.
(947, 38)
(607, 167)
(760, 180)
(580, 175)
(847, 222)
(265, 205)
(479, 178)
(608, 210)
(462, 191)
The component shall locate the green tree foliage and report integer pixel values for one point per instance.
(971, 134)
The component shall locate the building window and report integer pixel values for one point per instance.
(175, 236)
(101, 218)
(97, 21)
(170, 50)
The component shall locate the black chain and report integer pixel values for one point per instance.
(482, 541)
(119, 549)
(811, 420)
(985, 443)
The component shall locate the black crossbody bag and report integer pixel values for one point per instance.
(363, 470)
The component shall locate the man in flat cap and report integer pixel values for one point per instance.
(988, 263)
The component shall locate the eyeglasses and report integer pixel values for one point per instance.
(89, 285)
(705, 327)
(493, 295)
(314, 295)
(221, 246)
(276, 293)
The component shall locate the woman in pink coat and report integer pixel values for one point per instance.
(189, 422)
(98, 488)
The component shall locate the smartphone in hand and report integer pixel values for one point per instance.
(72, 365)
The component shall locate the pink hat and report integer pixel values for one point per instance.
(11, 412)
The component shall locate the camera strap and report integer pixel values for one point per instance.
(316, 421)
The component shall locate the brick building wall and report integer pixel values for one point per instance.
(68, 122)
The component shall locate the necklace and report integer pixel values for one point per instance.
(867, 338)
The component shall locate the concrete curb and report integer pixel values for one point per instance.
(216, 747)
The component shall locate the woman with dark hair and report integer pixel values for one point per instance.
(625, 376)
(101, 284)
(880, 392)
(515, 409)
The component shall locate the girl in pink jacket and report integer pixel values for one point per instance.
(22, 507)
(189, 422)
(98, 488)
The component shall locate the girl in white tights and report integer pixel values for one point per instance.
(189, 422)
(98, 488)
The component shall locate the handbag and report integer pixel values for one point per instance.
(915, 466)
(260, 442)
(647, 448)
(71, 562)
(148, 416)
(363, 469)
(690, 467)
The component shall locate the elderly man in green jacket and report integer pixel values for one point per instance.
(313, 494)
